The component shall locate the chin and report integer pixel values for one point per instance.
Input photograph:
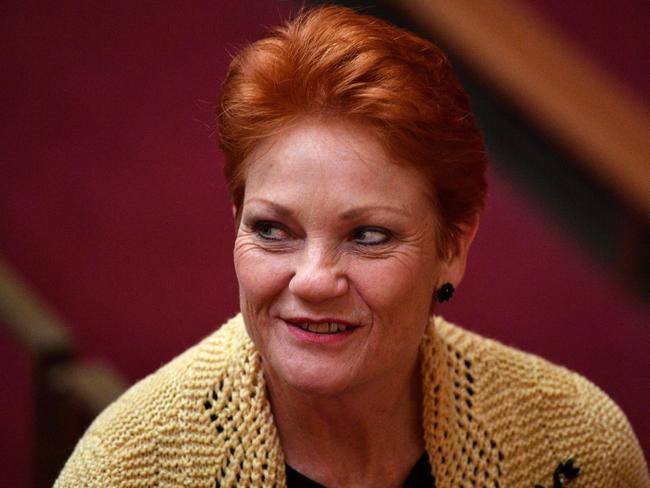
(317, 377)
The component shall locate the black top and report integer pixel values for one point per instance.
(419, 477)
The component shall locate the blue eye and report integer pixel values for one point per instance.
(370, 236)
(269, 231)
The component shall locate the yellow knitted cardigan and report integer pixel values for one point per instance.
(493, 417)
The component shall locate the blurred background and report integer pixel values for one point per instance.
(115, 229)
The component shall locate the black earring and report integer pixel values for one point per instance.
(445, 292)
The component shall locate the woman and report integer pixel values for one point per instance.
(356, 174)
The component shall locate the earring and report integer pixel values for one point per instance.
(445, 292)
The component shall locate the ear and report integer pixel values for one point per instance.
(454, 268)
(234, 213)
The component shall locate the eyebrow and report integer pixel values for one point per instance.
(356, 212)
(280, 210)
(350, 214)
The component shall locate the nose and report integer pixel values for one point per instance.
(317, 276)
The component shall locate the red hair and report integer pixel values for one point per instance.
(334, 62)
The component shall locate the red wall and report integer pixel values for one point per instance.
(112, 206)
(111, 199)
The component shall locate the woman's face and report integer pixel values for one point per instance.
(332, 230)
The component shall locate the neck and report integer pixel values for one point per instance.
(352, 438)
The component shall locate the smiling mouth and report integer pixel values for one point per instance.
(322, 328)
(325, 327)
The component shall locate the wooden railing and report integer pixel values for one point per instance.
(67, 394)
(552, 82)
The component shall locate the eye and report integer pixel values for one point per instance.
(269, 231)
(372, 236)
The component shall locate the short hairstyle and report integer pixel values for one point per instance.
(334, 62)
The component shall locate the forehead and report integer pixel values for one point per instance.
(336, 160)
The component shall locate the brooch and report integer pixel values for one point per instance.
(563, 474)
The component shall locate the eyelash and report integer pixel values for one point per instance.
(264, 225)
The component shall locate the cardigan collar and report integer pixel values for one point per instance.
(455, 431)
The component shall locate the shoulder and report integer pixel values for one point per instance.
(138, 434)
(544, 414)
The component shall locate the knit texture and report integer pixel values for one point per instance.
(493, 417)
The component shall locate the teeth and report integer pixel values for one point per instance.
(324, 328)
(318, 328)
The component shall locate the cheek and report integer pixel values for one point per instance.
(391, 285)
(260, 276)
